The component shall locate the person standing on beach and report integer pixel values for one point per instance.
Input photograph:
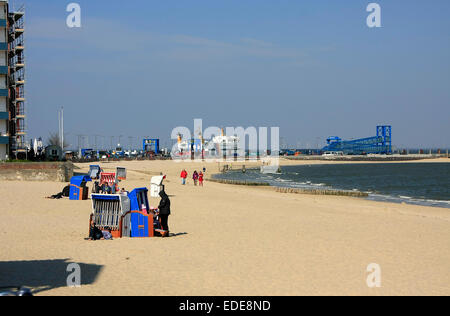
(164, 212)
(200, 178)
(183, 176)
(195, 177)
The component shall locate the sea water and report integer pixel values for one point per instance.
(415, 183)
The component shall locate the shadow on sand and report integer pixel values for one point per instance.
(44, 275)
(177, 234)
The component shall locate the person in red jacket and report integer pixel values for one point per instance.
(200, 178)
(183, 176)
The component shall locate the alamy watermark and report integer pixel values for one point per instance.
(374, 278)
(226, 144)
(74, 277)
(374, 18)
(74, 18)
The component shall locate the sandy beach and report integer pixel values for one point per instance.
(228, 240)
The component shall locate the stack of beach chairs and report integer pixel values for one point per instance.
(126, 215)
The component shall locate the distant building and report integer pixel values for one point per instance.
(53, 153)
(12, 82)
(151, 145)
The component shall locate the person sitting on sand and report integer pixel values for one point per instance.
(64, 193)
(94, 232)
(107, 234)
(106, 189)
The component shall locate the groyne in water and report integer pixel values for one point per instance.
(294, 190)
(237, 182)
(322, 192)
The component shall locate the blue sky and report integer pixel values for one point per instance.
(313, 68)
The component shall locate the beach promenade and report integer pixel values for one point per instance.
(228, 240)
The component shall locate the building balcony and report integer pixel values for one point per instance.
(17, 79)
(4, 116)
(18, 14)
(3, 46)
(20, 128)
(20, 94)
(18, 144)
(14, 47)
(17, 83)
(17, 65)
(4, 70)
(4, 93)
(3, 23)
(19, 29)
(20, 114)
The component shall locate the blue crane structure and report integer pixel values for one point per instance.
(380, 144)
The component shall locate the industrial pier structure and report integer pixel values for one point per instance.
(12, 82)
(380, 144)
